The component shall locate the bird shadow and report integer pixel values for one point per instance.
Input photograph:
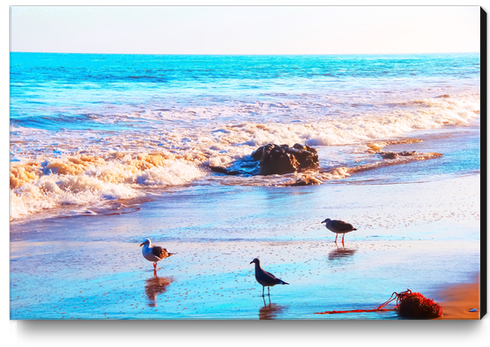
(341, 253)
(270, 311)
(155, 286)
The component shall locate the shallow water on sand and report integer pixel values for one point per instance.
(92, 268)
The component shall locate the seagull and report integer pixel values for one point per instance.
(266, 279)
(338, 227)
(154, 253)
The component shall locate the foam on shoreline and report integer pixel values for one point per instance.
(50, 169)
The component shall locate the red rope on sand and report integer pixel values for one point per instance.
(349, 311)
(395, 295)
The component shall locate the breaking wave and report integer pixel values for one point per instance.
(52, 169)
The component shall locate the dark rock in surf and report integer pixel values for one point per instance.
(388, 155)
(274, 159)
(282, 159)
(393, 155)
(406, 154)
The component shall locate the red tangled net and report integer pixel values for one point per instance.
(417, 306)
(408, 305)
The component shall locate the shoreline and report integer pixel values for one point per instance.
(383, 172)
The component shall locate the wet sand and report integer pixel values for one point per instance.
(92, 268)
(460, 300)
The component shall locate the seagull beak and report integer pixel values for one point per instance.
(141, 245)
(251, 262)
(322, 222)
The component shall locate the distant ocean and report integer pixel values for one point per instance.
(89, 130)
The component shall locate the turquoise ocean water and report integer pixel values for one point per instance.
(87, 129)
(101, 91)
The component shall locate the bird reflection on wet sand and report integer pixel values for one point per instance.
(341, 253)
(155, 286)
(270, 311)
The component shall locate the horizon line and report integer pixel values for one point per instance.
(248, 54)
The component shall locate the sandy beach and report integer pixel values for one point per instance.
(461, 301)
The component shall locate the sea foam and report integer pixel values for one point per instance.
(55, 169)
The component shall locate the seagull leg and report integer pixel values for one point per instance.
(336, 235)
(343, 235)
(263, 291)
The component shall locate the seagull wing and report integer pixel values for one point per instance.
(341, 225)
(271, 275)
(158, 251)
(275, 279)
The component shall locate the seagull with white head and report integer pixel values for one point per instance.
(154, 253)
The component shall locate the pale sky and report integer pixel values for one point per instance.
(245, 30)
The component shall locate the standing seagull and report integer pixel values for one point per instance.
(338, 227)
(266, 279)
(154, 253)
